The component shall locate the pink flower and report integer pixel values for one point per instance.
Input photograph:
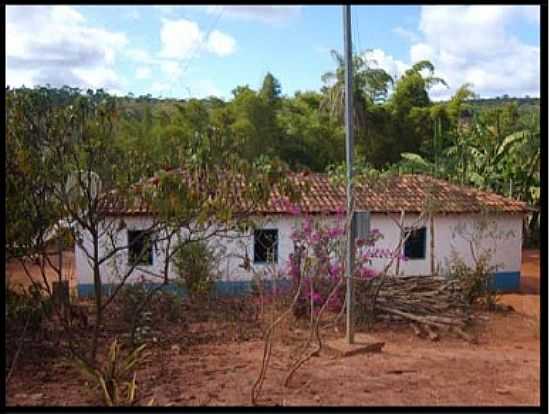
(315, 237)
(335, 232)
(368, 273)
(335, 270)
(308, 226)
(317, 299)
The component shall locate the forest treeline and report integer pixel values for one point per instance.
(490, 144)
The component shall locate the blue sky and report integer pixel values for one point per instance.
(183, 51)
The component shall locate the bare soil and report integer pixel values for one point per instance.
(527, 300)
(213, 363)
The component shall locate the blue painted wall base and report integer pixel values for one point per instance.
(501, 282)
(222, 288)
(505, 282)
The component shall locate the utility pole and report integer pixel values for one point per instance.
(349, 162)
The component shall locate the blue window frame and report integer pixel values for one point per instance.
(415, 246)
(140, 248)
(265, 245)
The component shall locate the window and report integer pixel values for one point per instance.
(415, 246)
(140, 248)
(265, 246)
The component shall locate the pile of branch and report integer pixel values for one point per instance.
(424, 301)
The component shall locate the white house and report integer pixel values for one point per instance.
(454, 223)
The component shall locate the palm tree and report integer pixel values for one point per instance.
(369, 85)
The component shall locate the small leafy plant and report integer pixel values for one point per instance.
(196, 267)
(474, 281)
(114, 378)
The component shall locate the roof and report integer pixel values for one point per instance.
(410, 193)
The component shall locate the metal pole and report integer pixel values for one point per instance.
(349, 162)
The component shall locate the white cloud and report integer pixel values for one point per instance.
(143, 72)
(376, 58)
(160, 86)
(97, 78)
(473, 44)
(179, 38)
(220, 43)
(182, 38)
(204, 89)
(266, 14)
(172, 69)
(53, 44)
(139, 55)
(408, 35)
(260, 13)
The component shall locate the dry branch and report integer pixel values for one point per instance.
(428, 301)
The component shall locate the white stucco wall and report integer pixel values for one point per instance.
(231, 251)
(503, 236)
(507, 257)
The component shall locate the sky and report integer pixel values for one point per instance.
(198, 51)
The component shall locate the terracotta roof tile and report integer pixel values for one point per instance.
(406, 192)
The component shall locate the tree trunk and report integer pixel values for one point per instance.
(98, 293)
(432, 245)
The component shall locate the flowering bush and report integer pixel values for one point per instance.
(318, 261)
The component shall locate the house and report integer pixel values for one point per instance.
(461, 220)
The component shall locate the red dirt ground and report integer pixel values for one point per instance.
(527, 301)
(503, 369)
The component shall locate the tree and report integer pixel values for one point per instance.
(81, 175)
(271, 90)
(369, 85)
(311, 138)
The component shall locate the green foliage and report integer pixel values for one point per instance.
(475, 281)
(130, 297)
(113, 379)
(197, 268)
(170, 306)
(142, 303)
(26, 308)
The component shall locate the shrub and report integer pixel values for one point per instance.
(27, 307)
(475, 281)
(141, 307)
(197, 268)
(318, 262)
(132, 296)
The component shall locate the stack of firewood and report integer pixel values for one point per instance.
(428, 303)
